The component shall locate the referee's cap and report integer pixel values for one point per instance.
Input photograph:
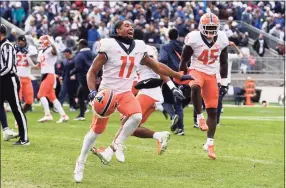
(3, 29)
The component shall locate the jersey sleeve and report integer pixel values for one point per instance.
(104, 46)
(191, 39)
(152, 52)
(32, 51)
(224, 42)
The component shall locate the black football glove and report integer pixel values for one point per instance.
(148, 83)
(92, 95)
(223, 90)
(178, 94)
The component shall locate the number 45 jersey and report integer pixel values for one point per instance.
(205, 57)
(122, 62)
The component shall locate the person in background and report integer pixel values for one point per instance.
(82, 61)
(170, 55)
(70, 84)
(259, 45)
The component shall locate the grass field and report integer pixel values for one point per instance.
(249, 148)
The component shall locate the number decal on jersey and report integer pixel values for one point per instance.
(43, 61)
(19, 60)
(204, 57)
(124, 62)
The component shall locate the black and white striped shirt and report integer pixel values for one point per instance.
(7, 58)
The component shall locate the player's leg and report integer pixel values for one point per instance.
(130, 107)
(196, 90)
(180, 124)
(147, 106)
(219, 107)
(210, 95)
(98, 126)
(58, 106)
(45, 87)
(28, 94)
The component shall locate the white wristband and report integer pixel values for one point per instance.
(240, 55)
(224, 82)
(170, 84)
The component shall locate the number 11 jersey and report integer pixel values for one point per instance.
(122, 63)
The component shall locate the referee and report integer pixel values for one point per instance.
(10, 85)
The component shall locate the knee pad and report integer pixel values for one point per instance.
(136, 117)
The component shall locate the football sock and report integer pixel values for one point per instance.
(210, 141)
(59, 107)
(157, 135)
(127, 129)
(200, 116)
(87, 144)
(45, 104)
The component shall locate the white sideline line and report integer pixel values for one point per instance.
(256, 118)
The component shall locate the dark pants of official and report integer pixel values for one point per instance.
(3, 117)
(9, 91)
(173, 106)
(82, 94)
(69, 88)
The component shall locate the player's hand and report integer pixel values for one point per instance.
(186, 77)
(223, 89)
(178, 94)
(72, 77)
(231, 44)
(92, 95)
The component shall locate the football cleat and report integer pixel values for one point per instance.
(105, 156)
(62, 119)
(163, 142)
(78, 171)
(46, 118)
(119, 153)
(79, 118)
(9, 134)
(22, 143)
(202, 124)
(104, 103)
(210, 150)
(180, 132)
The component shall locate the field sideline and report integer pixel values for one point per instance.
(249, 148)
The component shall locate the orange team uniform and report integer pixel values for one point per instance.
(148, 97)
(204, 62)
(118, 74)
(48, 83)
(24, 73)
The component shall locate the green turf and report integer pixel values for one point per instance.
(250, 154)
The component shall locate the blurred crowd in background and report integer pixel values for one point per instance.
(94, 20)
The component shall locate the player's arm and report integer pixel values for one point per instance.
(177, 93)
(223, 66)
(186, 58)
(94, 69)
(162, 69)
(237, 50)
(54, 50)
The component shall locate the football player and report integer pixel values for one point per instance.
(47, 58)
(119, 58)
(25, 54)
(148, 98)
(206, 48)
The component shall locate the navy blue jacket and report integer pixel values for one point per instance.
(168, 55)
(82, 62)
(68, 66)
